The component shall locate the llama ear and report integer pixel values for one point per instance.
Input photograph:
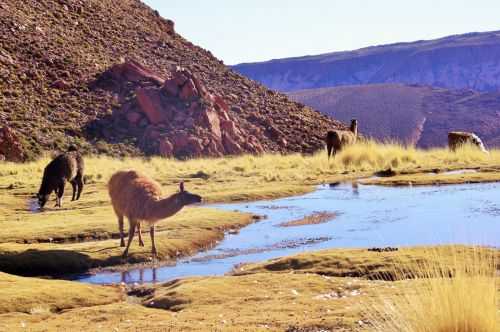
(181, 186)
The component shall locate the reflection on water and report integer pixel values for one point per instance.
(33, 205)
(368, 216)
(139, 275)
(355, 188)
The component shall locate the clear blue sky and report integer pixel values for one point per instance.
(257, 30)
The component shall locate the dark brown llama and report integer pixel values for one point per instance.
(138, 198)
(459, 138)
(336, 140)
(68, 166)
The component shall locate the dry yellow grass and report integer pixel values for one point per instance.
(293, 292)
(388, 265)
(295, 298)
(266, 176)
(465, 300)
(32, 295)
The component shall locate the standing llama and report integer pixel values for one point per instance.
(138, 198)
(458, 138)
(67, 166)
(336, 140)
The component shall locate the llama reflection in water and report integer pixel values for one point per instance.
(355, 188)
(127, 277)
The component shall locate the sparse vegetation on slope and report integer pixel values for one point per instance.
(53, 52)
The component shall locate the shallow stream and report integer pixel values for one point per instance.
(354, 215)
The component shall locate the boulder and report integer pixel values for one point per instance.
(220, 104)
(202, 90)
(171, 88)
(133, 71)
(10, 146)
(230, 145)
(149, 102)
(229, 128)
(210, 120)
(180, 76)
(195, 146)
(188, 91)
(166, 148)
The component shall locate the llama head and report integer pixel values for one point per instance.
(42, 199)
(186, 197)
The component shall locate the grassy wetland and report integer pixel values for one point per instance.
(341, 290)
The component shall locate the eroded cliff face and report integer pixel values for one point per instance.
(456, 62)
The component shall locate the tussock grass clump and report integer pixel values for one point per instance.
(372, 155)
(461, 300)
(270, 175)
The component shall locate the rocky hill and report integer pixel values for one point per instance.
(411, 114)
(114, 77)
(470, 61)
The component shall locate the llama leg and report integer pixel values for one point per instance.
(120, 226)
(60, 193)
(329, 148)
(79, 183)
(335, 149)
(153, 246)
(131, 232)
(56, 191)
(141, 243)
(73, 185)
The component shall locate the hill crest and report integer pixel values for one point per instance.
(53, 51)
(459, 61)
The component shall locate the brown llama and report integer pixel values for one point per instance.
(67, 166)
(336, 140)
(459, 138)
(138, 198)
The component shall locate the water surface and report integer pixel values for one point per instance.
(366, 216)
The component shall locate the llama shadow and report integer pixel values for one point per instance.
(34, 262)
(53, 263)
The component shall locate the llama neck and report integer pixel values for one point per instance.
(46, 186)
(354, 129)
(166, 207)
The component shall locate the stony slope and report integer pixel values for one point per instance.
(460, 61)
(412, 114)
(55, 87)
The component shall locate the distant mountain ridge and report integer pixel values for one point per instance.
(469, 60)
(411, 114)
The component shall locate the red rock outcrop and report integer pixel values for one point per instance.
(133, 71)
(10, 147)
(183, 119)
